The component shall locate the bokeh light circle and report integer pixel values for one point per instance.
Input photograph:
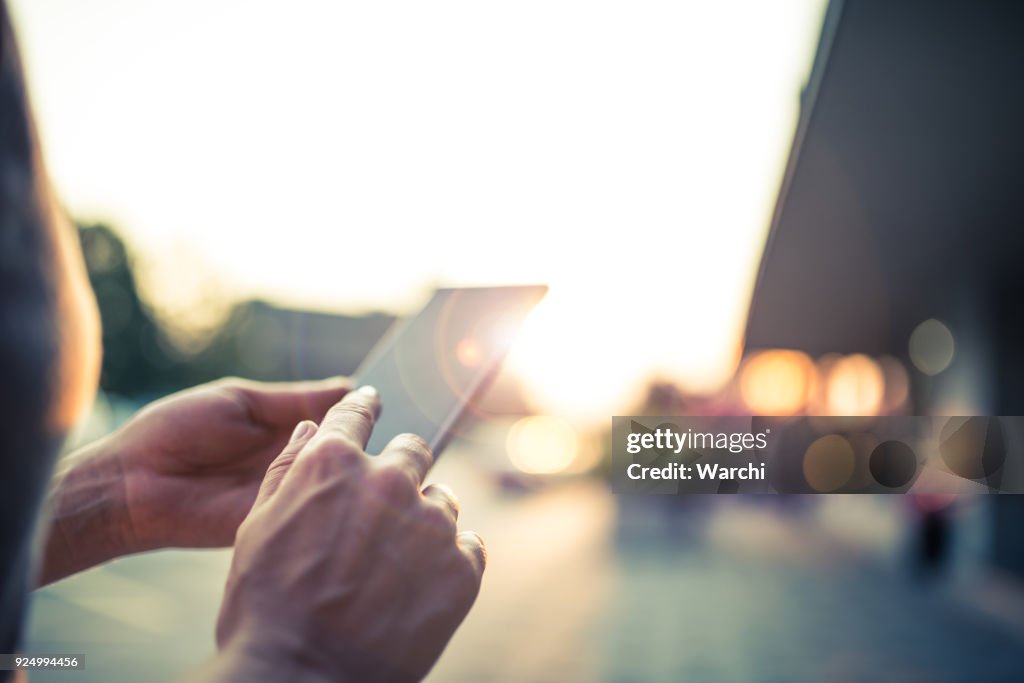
(893, 464)
(931, 347)
(829, 463)
(776, 382)
(541, 444)
(855, 386)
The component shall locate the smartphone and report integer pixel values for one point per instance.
(430, 367)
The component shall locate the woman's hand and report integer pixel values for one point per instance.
(183, 472)
(344, 570)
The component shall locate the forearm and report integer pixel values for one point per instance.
(86, 522)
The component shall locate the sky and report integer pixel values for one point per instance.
(350, 156)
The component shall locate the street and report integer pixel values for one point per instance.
(584, 586)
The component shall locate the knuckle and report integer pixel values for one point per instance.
(337, 445)
(445, 492)
(415, 445)
(235, 386)
(414, 442)
(360, 411)
(280, 465)
(336, 449)
(393, 484)
(238, 391)
(438, 520)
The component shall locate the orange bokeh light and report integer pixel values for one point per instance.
(776, 382)
(855, 386)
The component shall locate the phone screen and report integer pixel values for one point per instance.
(429, 367)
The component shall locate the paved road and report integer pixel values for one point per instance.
(583, 586)
(644, 591)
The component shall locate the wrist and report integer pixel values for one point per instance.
(88, 518)
(255, 659)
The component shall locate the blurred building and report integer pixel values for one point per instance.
(897, 232)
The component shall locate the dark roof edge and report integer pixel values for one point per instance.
(808, 100)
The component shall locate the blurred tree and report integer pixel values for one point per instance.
(137, 360)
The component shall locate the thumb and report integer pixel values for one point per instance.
(304, 431)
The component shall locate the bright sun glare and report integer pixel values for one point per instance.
(350, 156)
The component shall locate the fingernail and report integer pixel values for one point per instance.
(367, 390)
(302, 430)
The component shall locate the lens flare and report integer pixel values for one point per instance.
(468, 352)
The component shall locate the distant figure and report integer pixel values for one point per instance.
(932, 535)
